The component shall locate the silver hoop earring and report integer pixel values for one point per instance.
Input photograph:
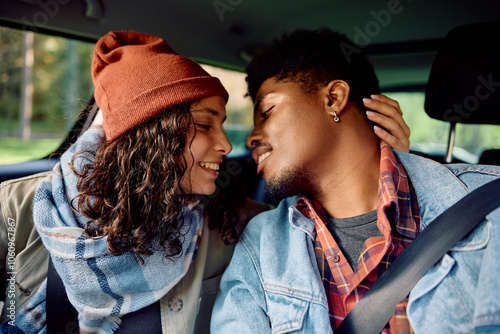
(335, 117)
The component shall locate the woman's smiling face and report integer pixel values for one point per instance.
(206, 146)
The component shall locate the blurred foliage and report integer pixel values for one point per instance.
(61, 79)
(61, 87)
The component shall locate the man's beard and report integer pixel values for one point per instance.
(288, 183)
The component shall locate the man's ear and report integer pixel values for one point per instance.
(336, 96)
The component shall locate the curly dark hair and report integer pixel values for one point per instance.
(131, 191)
(313, 58)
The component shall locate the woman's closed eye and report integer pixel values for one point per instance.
(203, 127)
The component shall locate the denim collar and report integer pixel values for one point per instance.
(436, 186)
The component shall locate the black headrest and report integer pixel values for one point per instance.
(464, 84)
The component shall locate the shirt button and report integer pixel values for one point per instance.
(335, 258)
(175, 304)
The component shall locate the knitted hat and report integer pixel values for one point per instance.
(137, 76)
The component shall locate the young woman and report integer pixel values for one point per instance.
(121, 214)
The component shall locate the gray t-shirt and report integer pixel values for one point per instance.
(351, 233)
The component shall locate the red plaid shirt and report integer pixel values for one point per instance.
(397, 219)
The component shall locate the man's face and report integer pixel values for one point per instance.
(291, 136)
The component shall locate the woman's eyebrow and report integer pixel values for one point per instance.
(211, 111)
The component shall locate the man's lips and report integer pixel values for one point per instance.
(259, 154)
(263, 156)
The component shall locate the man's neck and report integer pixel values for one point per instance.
(351, 188)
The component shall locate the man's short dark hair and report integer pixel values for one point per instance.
(313, 58)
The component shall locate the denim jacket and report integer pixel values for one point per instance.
(273, 284)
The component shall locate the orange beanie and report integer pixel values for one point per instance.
(137, 76)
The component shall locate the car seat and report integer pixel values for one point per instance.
(464, 83)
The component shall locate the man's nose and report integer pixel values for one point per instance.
(253, 139)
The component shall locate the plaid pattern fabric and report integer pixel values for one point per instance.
(397, 219)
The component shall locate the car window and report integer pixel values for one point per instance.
(44, 83)
(430, 136)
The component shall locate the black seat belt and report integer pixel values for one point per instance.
(62, 317)
(374, 310)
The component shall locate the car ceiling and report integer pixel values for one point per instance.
(401, 36)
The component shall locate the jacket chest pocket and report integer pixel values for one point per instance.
(446, 296)
(286, 314)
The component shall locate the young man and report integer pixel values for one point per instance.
(351, 206)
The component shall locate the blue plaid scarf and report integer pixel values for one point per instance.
(101, 287)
